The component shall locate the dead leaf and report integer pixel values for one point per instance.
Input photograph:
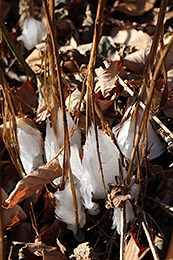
(49, 234)
(49, 204)
(36, 60)
(133, 249)
(137, 60)
(82, 251)
(131, 37)
(11, 216)
(27, 97)
(21, 232)
(33, 181)
(115, 197)
(106, 78)
(134, 8)
(39, 248)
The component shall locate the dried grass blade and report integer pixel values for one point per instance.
(145, 117)
(66, 161)
(10, 139)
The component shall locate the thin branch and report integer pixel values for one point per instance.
(152, 247)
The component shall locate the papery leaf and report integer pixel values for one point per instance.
(133, 249)
(107, 77)
(11, 216)
(33, 181)
(135, 8)
(131, 37)
(115, 196)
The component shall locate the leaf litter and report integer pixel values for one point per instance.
(87, 127)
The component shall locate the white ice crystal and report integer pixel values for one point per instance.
(65, 210)
(33, 33)
(53, 143)
(86, 184)
(126, 138)
(116, 219)
(30, 146)
(109, 157)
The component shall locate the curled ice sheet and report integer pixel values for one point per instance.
(86, 185)
(126, 137)
(65, 210)
(109, 158)
(116, 219)
(33, 33)
(30, 146)
(53, 143)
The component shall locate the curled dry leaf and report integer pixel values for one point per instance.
(11, 216)
(133, 249)
(136, 61)
(82, 251)
(27, 96)
(36, 61)
(39, 248)
(115, 196)
(134, 8)
(131, 37)
(32, 182)
(107, 77)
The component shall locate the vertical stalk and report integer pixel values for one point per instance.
(91, 65)
(123, 231)
(66, 162)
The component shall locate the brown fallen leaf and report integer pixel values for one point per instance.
(50, 234)
(11, 216)
(106, 78)
(36, 60)
(39, 248)
(115, 197)
(32, 182)
(49, 204)
(134, 8)
(131, 37)
(20, 232)
(133, 249)
(27, 97)
(137, 60)
(82, 251)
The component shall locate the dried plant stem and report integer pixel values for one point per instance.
(97, 146)
(91, 65)
(8, 113)
(147, 75)
(144, 253)
(66, 162)
(152, 247)
(31, 8)
(145, 116)
(143, 106)
(16, 53)
(123, 231)
(1, 219)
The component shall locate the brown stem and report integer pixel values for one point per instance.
(91, 65)
(145, 116)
